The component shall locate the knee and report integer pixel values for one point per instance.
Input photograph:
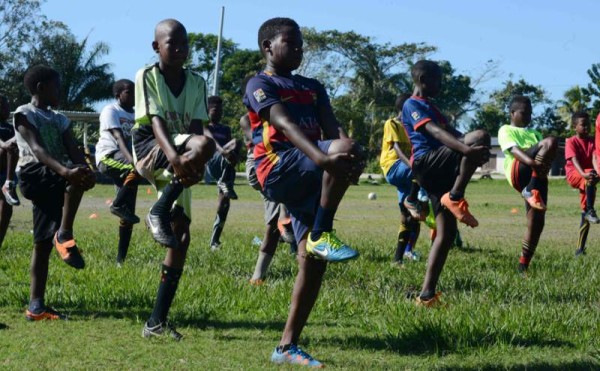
(480, 137)
(204, 145)
(550, 143)
(351, 147)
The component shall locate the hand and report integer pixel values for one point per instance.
(81, 177)
(343, 166)
(478, 154)
(186, 171)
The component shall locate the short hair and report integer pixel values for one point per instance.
(402, 98)
(215, 100)
(39, 74)
(579, 115)
(422, 68)
(518, 100)
(272, 27)
(121, 85)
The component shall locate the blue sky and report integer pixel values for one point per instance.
(550, 43)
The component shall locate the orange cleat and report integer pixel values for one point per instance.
(69, 252)
(460, 209)
(534, 199)
(430, 303)
(47, 314)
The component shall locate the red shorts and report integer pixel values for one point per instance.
(578, 182)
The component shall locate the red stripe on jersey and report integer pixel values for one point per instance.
(298, 96)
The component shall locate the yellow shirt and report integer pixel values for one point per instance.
(393, 131)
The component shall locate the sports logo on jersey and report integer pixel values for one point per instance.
(415, 115)
(259, 95)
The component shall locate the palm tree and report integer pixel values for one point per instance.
(574, 100)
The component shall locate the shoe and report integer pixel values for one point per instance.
(284, 227)
(398, 264)
(534, 199)
(591, 216)
(227, 191)
(215, 246)
(47, 313)
(9, 190)
(69, 252)
(412, 255)
(125, 214)
(430, 303)
(330, 248)
(256, 282)
(414, 208)
(579, 252)
(522, 269)
(460, 210)
(162, 329)
(295, 356)
(161, 230)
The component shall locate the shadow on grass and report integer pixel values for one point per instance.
(534, 366)
(471, 249)
(3, 326)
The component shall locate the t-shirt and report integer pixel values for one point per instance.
(51, 126)
(7, 131)
(113, 116)
(221, 133)
(301, 96)
(393, 131)
(597, 140)
(417, 112)
(582, 149)
(154, 98)
(510, 136)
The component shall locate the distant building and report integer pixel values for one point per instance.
(496, 163)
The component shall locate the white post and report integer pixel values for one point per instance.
(215, 89)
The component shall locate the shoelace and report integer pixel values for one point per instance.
(295, 350)
(332, 239)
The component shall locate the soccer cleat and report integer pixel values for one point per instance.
(46, 314)
(328, 247)
(285, 230)
(522, 269)
(412, 255)
(256, 282)
(579, 252)
(215, 246)
(430, 303)
(294, 356)
(125, 214)
(9, 191)
(591, 216)
(161, 230)
(227, 191)
(460, 210)
(414, 208)
(69, 252)
(162, 329)
(534, 199)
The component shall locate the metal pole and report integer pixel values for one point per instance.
(215, 90)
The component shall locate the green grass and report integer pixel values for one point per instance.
(494, 319)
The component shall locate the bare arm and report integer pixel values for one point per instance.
(118, 135)
(479, 154)
(522, 157)
(182, 166)
(246, 129)
(400, 154)
(329, 124)
(197, 127)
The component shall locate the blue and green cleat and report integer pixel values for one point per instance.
(294, 356)
(329, 248)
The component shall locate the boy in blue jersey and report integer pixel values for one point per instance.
(443, 162)
(289, 115)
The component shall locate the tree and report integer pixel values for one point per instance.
(574, 100)
(593, 88)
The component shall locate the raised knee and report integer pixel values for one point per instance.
(550, 142)
(345, 145)
(481, 137)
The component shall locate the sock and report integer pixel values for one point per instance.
(403, 238)
(413, 196)
(169, 195)
(456, 196)
(323, 222)
(262, 264)
(169, 279)
(546, 163)
(63, 236)
(527, 251)
(414, 234)
(125, 231)
(584, 228)
(534, 183)
(426, 295)
(219, 223)
(36, 306)
(590, 197)
(283, 348)
(123, 194)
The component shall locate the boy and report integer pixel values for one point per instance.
(170, 151)
(9, 155)
(582, 174)
(528, 160)
(443, 162)
(221, 166)
(289, 114)
(113, 158)
(395, 163)
(46, 147)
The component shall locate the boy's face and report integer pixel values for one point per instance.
(126, 97)
(582, 126)
(521, 114)
(4, 110)
(431, 82)
(172, 46)
(49, 92)
(285, 51)
(215, 112)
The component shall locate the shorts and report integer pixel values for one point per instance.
(46, 190)
(576, 181)
(520, 175)
(400, 175)
(251, 171)
(219, 169)
(296, 182)
(116, 166)
(156, 169)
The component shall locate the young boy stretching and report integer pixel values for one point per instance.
(9, 155)
(47, 178)
(582, 174)
(170, 151)
(289, 115)
(528, 160)
(443, 162)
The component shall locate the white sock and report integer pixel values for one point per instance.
(262, 264)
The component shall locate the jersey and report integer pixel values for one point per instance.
(154, 98)
(417, 112)
(512, 136)
(393, 132)
(51, 126)
(221, 133)
(301, 96)
(7, 131)
(582, 149)
(113, 116)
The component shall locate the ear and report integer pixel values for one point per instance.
(266, 45)
(39, 86)
(155, 46)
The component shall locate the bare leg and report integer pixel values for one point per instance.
(6, 211)
(73, 197)
(223, 205)
(467, 167)
(446, 231)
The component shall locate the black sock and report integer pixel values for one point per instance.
(323, 223)
(590, 197)
(169, 279)
(456, 196)
(403, 238)
(426, 295)
(534, 183)
(169, 195)
(584, 228)
(36, 306)
(414, 192)
(283, 348)
(125, 232)
(63, 236)
(124, 193)
(219, 222)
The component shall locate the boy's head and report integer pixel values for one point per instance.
(520, 110)
(123, 91)
(427, 76)
(4, 110)
(400, 102)
(215, 108)
(280, 41)
(580, 121)
(171, 43)
(43, 82)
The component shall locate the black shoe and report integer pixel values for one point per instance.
(579, 252)
(162, 329)
(591, 216)
(125, 214)
(227, 191)
(161, 230)
(9, 190)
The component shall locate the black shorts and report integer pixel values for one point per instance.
(46, 190)
(521, 176)
(116, 166)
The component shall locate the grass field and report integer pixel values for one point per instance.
(494, 319)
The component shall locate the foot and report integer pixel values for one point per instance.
(227, 191)
(215, 246)
(412, 255)
(534, 199)
(9, 190)
(295, 356)
(285, 230)
(328, 247)
(161, 230)
(46, 314)
(256, 282)
(591, 216)
(414, 208)
(460, 210)
(162, 329)
(522, 269)
(125, 214)
(432, 302)
(69, 252)
(579, 252)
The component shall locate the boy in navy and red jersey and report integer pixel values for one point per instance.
(443, 161)
(289, 115)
